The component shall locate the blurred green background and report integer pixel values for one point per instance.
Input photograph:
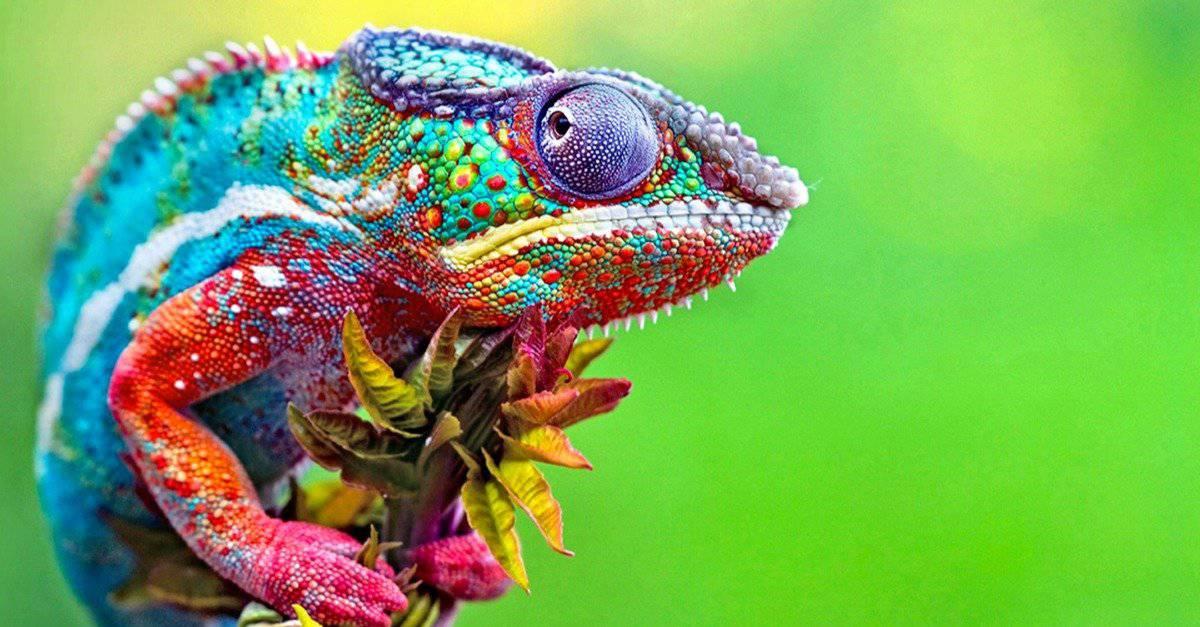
(962, 390)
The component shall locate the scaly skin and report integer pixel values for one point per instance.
(225, 228)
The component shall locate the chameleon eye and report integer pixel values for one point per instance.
(596, 141)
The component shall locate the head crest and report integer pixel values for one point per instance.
(439, 72)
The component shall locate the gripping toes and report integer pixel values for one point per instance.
(314, 567)
(461, 566)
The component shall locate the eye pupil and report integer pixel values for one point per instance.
(559, 124)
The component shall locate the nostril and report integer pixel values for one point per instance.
(714, 177)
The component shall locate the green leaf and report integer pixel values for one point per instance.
(490, 512)
(541, 407)
(548, 444)
(585, 353)
(528, 488)
(392, 403)
(434, 373)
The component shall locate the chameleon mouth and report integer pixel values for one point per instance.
(510, 239)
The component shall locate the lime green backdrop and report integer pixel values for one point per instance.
(962, 390)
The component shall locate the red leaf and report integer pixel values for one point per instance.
(596, 396)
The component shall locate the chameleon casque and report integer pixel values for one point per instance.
(221, 233)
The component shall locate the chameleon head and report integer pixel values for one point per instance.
(594, 193)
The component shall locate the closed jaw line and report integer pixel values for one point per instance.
(510, 239)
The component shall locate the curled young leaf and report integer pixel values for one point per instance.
(528, 488)
(529, 334)
(391, 401)
(558, 349)
(523, 374)
(548, 444)
(490, 512)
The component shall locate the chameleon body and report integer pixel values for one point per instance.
(223, 230)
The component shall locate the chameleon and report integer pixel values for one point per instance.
(222, 231)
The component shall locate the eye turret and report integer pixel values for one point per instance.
(596, 141)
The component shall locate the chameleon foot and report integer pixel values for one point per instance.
(462, 567)
(314, 567)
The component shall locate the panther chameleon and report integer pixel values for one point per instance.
(243, 206)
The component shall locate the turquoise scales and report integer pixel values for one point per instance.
(240, 209)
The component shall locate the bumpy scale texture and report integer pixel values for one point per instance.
(462, 567)
(238, 211)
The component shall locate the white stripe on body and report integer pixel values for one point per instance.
(239, 202)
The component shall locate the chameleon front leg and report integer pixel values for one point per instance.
(215, 335)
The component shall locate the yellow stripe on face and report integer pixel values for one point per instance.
(464, 254)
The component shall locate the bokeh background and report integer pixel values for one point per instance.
(962, 390)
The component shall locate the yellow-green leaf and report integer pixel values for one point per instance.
(540, 407)
(528, 488)
(548, 444)
(490, 512)
(304, 618)
(585, 353)
(388, 399)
